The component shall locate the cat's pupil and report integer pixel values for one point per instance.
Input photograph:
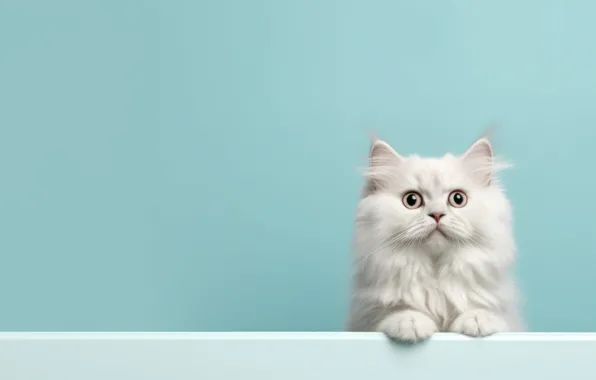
(458, 198)
(412, 199)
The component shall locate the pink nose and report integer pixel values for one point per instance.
(436, 216)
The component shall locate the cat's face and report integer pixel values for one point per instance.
(434, 203)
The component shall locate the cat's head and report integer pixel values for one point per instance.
(434, 203)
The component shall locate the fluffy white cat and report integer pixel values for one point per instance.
(433, 247)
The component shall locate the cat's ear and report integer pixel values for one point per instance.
(382, 154)
(382, 164)
(478, 160)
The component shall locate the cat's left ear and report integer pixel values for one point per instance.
(478, 160)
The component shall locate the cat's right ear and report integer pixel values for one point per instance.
(382, 154)
(382, 163)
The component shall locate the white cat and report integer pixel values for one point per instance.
(433, 247)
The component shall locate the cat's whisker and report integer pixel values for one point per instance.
(384, 244)
(403, 239)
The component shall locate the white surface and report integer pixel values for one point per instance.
(346, 356)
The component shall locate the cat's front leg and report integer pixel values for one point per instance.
(478, 323)
(408, 326)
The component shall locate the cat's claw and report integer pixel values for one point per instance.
(478, 323)
(408, 326)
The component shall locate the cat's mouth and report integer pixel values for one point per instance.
(437, 231)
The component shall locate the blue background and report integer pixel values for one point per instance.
(191, 165)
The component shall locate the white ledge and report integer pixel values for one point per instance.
(345, 356)
(284, 336)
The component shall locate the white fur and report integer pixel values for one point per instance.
(412, 280)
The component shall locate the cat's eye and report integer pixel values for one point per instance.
(458, 199)
(412, 200)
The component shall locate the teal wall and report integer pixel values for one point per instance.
(190, 165)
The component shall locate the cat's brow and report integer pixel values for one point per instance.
(437, 181)
(430, 183)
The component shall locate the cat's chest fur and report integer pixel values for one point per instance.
(443, 287)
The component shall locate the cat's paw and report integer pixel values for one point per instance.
(478, 323)
(408, 326)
